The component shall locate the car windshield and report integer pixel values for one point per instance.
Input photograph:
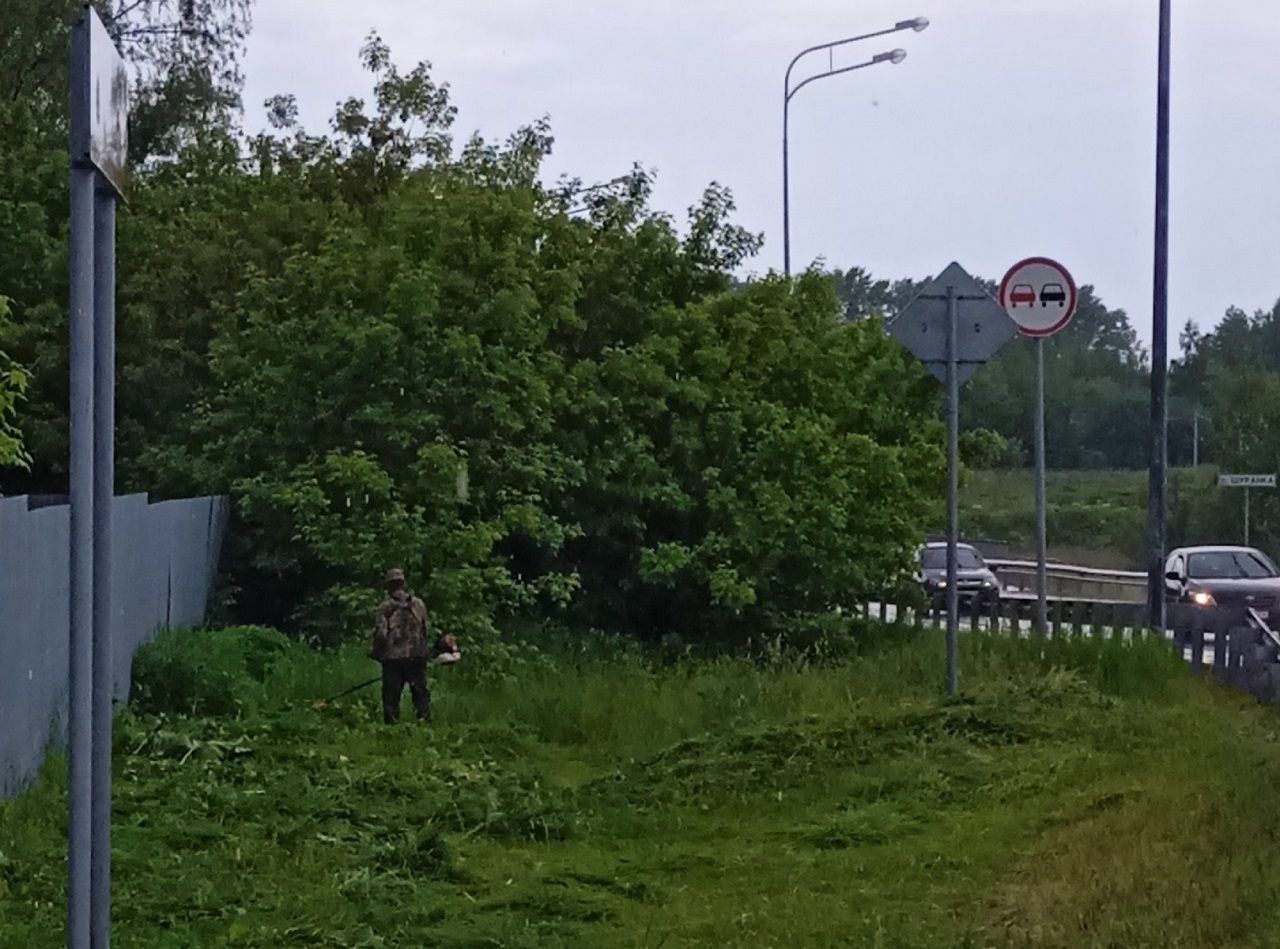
(935, 558)
(1228, 565)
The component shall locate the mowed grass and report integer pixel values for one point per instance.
(1075, 795)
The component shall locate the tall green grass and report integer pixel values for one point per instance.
(579, 792)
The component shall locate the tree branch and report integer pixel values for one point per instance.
(125, 11)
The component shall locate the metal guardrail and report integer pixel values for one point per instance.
(1070, 580)
(1239, 648)
(1269, 634)
(1066, 569)
(1236, 646)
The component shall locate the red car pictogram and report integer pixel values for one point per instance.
(1022, 293)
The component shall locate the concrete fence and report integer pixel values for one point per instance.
(165, 561)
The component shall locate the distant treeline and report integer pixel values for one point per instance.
(1098, 383)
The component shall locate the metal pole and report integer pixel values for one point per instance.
(1042, 571)
(1246, 517)
(917, 24)
(1195, 438)
(786, 182)
(80, 684)
(1160, 337)
(104, 393)
(953, 489)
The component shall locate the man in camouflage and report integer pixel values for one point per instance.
(400, 644)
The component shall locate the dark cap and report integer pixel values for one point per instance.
(395, 575)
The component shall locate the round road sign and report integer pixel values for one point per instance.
(1040, 296)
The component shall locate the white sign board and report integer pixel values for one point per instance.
(102, 136)
(1040, 295)
(1247, 481)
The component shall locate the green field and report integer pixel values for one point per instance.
(1083, 796)
(1096, 518)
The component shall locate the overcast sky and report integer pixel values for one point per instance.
(1014, 127)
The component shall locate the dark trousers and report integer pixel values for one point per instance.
(396, 674)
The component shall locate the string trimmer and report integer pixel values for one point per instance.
(447, 652)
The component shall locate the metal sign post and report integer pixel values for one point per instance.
(1041, 297)
(1042, 526)
(1246, 481)
(99, 158)
(953, 326)
(953, 489)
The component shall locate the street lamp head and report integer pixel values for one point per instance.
(919, 24)
(895, 56)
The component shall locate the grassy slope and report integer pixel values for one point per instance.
(1088, 797)
(1093, 517)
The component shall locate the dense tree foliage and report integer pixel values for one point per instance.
(13, 385)
(540, 400)
(185, 54)
(1232, 377)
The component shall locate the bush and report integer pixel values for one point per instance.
(984, 449)
(205, 672)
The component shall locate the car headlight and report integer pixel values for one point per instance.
(942, 584)
(1203, 598)
(986, 584)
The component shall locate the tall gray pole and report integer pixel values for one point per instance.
(104, 398)
(1160, 337)
(786, 180)
(80, 680)
(1042, 572)
(1246, 517)
(1195, 438)
(953, 489)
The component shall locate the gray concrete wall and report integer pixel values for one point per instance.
(166, 558)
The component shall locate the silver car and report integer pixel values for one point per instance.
(1223, 576)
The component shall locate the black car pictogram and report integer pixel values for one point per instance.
(1053, 293)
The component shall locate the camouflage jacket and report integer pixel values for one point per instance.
(400, 629)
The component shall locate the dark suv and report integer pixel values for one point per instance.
(1240, 577)
(974, 579)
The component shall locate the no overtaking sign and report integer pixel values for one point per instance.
(1040, 295)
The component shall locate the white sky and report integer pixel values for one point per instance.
(1015, 127)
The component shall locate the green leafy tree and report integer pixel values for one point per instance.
(13, 385)
(185, 56)
(391, 349)
(984, 449)
(775, 464)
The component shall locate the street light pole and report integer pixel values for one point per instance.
(896, 56)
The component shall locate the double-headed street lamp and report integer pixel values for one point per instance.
(895, 56)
